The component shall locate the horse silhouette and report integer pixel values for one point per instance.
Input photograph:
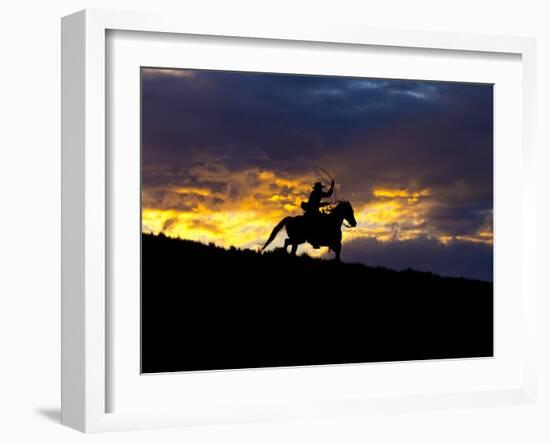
(318, 230)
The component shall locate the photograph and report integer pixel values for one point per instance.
(295, 220)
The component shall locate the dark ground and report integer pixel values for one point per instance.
(205, 307)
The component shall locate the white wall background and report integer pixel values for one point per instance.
(30, 217)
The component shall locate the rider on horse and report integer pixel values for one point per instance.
(317, 228)
(312, 206)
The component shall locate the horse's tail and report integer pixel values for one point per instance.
(276, 230)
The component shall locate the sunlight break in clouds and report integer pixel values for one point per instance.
(240, 208)
(241, 212)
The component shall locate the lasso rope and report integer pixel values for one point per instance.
(323, 175)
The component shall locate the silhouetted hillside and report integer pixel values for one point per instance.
(205, 307)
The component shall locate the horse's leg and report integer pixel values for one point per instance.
(294, 249)
(337, 247)
(287, 243)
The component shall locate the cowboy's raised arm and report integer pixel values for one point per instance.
(329, 193)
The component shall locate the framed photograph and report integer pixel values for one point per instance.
(228, 181)
(269, 223)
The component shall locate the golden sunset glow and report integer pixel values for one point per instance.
(481, 238)
(241, 214)
(244, 210)
(400, 193)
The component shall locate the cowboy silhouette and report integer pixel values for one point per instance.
(313, 204)
(311, 209)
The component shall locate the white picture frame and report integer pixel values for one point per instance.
(86, 202)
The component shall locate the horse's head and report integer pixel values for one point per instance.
(346, 211)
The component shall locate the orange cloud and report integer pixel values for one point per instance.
(392, 214)
(241, 212)
(241, 208)
(399, 193)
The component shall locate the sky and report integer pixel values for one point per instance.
(227, 155)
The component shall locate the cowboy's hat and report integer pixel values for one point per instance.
(318, 185)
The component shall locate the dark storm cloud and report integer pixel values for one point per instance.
(459, 258)
(288, 119)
